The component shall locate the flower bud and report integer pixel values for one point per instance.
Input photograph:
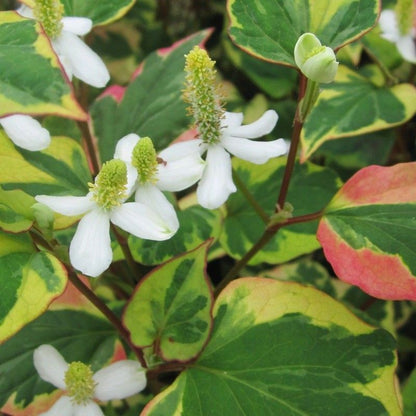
(317, 62)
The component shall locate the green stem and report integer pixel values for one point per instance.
(127, 253)
(309, 99)
(106, 311)
(250, 198)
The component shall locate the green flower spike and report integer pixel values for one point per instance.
(109, 189)
(203, 96)
(79, 382)
(317, 62)
(144, 159)
(49, 14)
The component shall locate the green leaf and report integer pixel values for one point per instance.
(354, 105)
(24, 46)
(61, 169)
(284, 349)
(29, 281)
(350, 154)
(92, 340)
(100, 12)
(171, 308)
(276, 81)
(270, 29)
(310, 189)
(377, 312)
(15, 213)
(197, 225)
(368, 231)
(409, 395)
(154, 97)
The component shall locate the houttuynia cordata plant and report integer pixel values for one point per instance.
(207, 208)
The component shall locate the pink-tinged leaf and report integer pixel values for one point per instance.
(115, 91)
(368, 231)
(379, 185)
(378, 274)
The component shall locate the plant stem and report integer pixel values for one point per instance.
(106, 311)
(127, 253)
(297, 220)
(294, 144)
(269, 232)
(250, 198)
(89, 147)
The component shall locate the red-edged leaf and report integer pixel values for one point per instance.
(368, 231)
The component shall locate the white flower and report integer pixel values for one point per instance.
(179, 167)
(117, 381)
(90, 249)
(26, 132)
(76, 57)
(390, 31)
(217, 183)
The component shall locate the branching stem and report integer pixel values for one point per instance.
(106, 311)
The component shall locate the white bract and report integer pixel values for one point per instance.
(216, 183)
(117, 381)
(405, 43)
(76, 57)
(317, 62)
(174, 169)
(90, 249)
(26, 132)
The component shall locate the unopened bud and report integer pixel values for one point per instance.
(317, 62)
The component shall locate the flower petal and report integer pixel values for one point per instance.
(89, 409)
(232, 119)
(152, 197)
(131, 179)
(125, 146)
(77, 25)
(90, 250)
(62, 407)
(26, 132)
(85, 63)
(182, 166)
(388, 25)
(119, 380)
(67, 205)
(264, 125)
(25, 11)
(141, 221)
(407, 48)
(254, 152)
(50, 365)
(180, 150)
(216, 183)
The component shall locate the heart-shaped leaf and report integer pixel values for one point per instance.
(270, 29)
(171, 308)
(29, 281)
(100, 12)
(25, 46)
(354, 105)
(368, 231)
(284, 349)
